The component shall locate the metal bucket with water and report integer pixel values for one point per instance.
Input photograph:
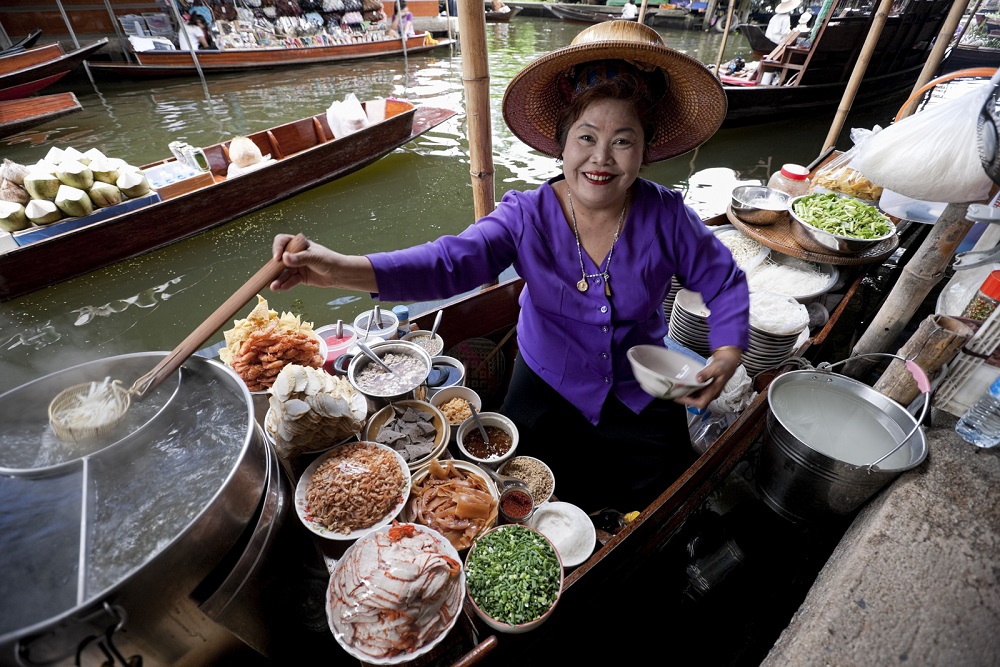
(831, 443)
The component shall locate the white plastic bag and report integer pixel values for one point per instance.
(346, 117)
(932, 155)
(375, 109)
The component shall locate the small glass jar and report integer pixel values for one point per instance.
(985, 301)
(792, 178)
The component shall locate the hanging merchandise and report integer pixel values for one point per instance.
(933, 154)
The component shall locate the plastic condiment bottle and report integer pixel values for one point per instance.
(986, 299)
(792, 178)
(402, 314)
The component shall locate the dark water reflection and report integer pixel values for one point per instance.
(413, 195)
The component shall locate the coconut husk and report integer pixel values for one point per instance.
(11, 191)
(12, 171)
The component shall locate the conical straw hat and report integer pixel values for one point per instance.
(691, 110)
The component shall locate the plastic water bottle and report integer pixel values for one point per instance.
(980, 426)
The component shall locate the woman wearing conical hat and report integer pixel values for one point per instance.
(597, 247)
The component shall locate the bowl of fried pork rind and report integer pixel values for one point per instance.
(382, 618)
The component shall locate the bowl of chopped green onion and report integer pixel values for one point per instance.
(514, 578)
(835, 224)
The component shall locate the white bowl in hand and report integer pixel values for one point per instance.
(665, 373)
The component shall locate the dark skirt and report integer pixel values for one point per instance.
(623, 463)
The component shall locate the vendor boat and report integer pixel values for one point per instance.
(166, 63)
(21, 114)
(28, 71)
(502, 17)
(305, 153)
(25, 42)
(591, 13)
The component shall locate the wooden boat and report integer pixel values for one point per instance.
(502, 17)
(965, 56)
(759, 44)
(21, 114)
(598, 13)
(305, 152)
(24, 43)
(180, 63)
(28, 71)
(808, 78)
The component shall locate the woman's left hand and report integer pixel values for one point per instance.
(723, 365)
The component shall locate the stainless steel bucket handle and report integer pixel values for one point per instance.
(923, 384)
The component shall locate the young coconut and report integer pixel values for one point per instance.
(42, 211)
(11, 191)
(244, 152)
(12, 217)
(74, 202)
(91, 155)
(71, 154)
(104, 170)
(132, 183)
(13, 171)
(44, 165)
(75, 174)
(41, 185)
(55, 155)
(104, 194)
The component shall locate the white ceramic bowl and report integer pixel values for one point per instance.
(505, 469)
(664, 373)
(375, 423)
(474, 577)
(448, 393)
(488, 419)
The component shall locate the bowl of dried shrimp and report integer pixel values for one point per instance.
(381, 618)
(456, 498)
(352, 489)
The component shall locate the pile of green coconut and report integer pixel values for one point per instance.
(65, 183)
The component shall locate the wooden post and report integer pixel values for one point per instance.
(706, 23)
(859, 73)
(476, 77)
(937, 53)
(936, 341)
(642, 12)
(918, 277)
(725, 35)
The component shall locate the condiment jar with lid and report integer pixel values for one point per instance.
(982, 305)
(793, 179)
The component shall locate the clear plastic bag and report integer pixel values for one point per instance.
(932, 155)
(839, 175)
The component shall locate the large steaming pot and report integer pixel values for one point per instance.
(131, 541)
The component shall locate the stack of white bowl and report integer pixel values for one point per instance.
(689, 327)
(668, 302)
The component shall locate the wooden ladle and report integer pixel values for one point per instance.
(118, 399)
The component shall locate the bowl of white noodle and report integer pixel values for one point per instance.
(803, 281)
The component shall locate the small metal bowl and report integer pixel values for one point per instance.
(759, 205)
(816, 240)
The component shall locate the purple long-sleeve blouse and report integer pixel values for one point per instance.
(577, 341)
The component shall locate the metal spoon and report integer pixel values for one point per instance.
(479, 424)
(437, 323)
(371, 355)
(505, 481)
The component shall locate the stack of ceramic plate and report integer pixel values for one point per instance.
(688, 321)
(768, 349)
(668, 303)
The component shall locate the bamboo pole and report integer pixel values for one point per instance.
(860, 67)
(476, 79)
(725, 35)
(937, 53)
(642, 12)
(936, 342)
(965, 26)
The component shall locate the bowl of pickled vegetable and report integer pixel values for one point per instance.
(514, 578)
(831, 223)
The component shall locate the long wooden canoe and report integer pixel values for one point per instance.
(502, 17)
(599, 14)
(25, 42)
(28, 71)
(21, 114)
(305, 152)
(180, 63)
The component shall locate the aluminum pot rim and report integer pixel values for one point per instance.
(360, 361)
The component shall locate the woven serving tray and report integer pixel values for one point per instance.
(779, 237)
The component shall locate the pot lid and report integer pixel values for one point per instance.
(77, 522)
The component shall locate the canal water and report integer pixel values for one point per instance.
(413, 195)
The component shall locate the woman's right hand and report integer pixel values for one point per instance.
(319, 266)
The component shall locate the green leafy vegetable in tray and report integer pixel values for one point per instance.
(513, 574)
(843, 216)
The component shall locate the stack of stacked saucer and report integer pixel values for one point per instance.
(778, 325)
(668, 302)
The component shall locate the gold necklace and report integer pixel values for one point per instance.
(602, 273)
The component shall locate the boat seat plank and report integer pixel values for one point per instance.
(218, 159)
(295, 137)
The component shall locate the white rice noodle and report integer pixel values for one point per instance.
(791, 278)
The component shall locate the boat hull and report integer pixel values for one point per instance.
(180, 63)
(31, 78)
(76, 252)
(21, 114)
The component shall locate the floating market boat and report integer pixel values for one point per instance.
(502, 17)
(305, 153)
(164, 63)
(24, 43)
(21, 114)
(803, 77)
(25, 72)
(592, 13)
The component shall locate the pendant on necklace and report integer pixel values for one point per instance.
(582, 285)
(607, 287)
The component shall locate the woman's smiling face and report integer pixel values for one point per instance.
(603, 153)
